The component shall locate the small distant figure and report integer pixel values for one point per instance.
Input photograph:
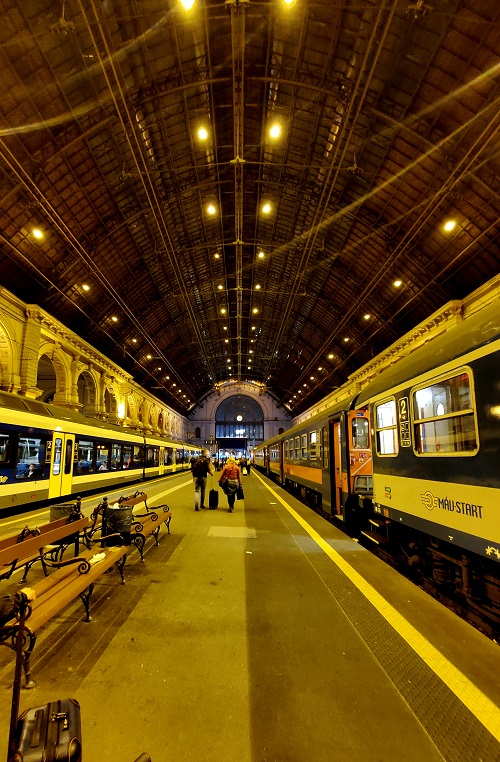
(31, 471)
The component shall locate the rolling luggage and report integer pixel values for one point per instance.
(50, 733)
(213, 499)
(46, 733)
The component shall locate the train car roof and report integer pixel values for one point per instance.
(476, 331)
(27, 405)
(345, 404)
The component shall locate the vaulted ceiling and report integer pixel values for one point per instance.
(271, 255)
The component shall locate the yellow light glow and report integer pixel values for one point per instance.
(255, 310)
(366, 317)
(220, 287)
(261, 255)
(216, 255)
(202, 133)
(397, 283)
(450, 225)
(266, 209)
(211, 209)
(226, 341)
(330, 356)
(149, 357)
(223, 311)
(320, 367)
(275, 131)
(85, 287)
(121, 410)
(187, 4)
(257, 286)
(346, 339)
(114, 319)
(225, 328)
(38, 233)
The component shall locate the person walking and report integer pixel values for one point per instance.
(200, 468)
(230, 480)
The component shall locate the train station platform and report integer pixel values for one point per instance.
(265, 635)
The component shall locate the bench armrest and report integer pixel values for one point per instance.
(83, 564)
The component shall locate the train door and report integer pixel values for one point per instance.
(61, 464)
(336, 467)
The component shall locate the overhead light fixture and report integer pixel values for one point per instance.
(220, 287)
(257, 286)
(320, 367)
(397, 283)
(331, 356)
(187, 4)
(266, 208)
(114, 319)
(255, 310)
(366, 317)
(223, 311)
(346, 339)
(450, 225)
(85, 287)
(149, 357)
(261, 255)
(202, 133)
(216, 255)
(37, 233)
(275, 131)
(211, 210)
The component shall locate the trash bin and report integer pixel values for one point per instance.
(118, 521)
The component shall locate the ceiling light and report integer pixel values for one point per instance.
(134, 341)
(346, 339)
(227, 341)
(174, 384)
(223, 311)
(149, 357)
(257, 286)
(253, 328)
(261, 255)
(366, 317)
(229, 361)
(85, 287)
(114, 319)
(251, 351)
(266, 208)
(220, 287)
(202, 133)
(159, 367)
(397, 283)
(330, 356)
(320, 367)
(304, 384)
(211, 209)
(38, 233)
(448, 226)
(167, 378)
(225, 328)
(216, 255)
(255, 310)
(188, 4)
(312, 378)
(275, 131)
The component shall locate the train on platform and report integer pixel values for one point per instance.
(411, 464)
(49, 453)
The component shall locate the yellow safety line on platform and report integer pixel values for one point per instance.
(472, 697)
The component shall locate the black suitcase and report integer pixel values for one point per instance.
(46, 733)
(213, 499)
(50, 733)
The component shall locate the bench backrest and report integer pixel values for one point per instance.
(54, 531)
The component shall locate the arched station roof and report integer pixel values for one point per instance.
(257, 190)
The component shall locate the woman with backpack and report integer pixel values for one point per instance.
(230, 480)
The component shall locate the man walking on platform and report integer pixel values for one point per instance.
(200, 469)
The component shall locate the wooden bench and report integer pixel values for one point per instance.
(46, 544)
(74, 577)
(143, 524)
(147, 524)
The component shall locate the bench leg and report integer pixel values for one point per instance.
(139, 541)
(155, 534)
(85, 598)
(9, 639)
(119, 565)
(26, 661)
(167, 523)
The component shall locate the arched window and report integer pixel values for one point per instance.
(239, 417)
(197, 432)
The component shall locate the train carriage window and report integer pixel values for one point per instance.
(286, 449)
(30, 458)
(102, 457)
(56, 465)
(152, 456)
(313, 440)
(84, 451)
(68, 458)
(386, 428)
(443, 417)
(304, 446)
(360, 429)
(324, 440)
(116, 456)
(297, 448)
(4, 448)
(127, 456)
(168, 456)
(137, 456)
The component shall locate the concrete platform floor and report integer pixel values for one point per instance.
(234, 641)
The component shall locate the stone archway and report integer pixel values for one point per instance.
(239, 423)
(87, 394)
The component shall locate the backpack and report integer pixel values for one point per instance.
(200, 467)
